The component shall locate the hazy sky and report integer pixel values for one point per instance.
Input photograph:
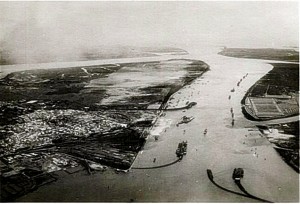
(66, 26)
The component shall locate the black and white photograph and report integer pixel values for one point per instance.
(149, 101)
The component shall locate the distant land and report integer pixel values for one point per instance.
(97, 53)
(290, 55)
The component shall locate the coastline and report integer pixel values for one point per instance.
(7, 69)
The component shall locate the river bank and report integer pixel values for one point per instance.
(275, 96)
(224, 148)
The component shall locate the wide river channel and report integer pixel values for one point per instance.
(222, 149)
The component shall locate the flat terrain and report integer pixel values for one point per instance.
(88, 54)
(262, 53)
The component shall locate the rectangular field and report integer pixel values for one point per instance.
(264, 107)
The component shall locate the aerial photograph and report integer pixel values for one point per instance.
(149, 101)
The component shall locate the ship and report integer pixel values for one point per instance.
(181, 149)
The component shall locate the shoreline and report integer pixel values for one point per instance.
(7, 69)
(163, 108)
(277, 117)
(250, 112)
(288, 55)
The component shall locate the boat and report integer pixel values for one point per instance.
(191, 104)
(185, 119)
(238, 174)
(181, 150)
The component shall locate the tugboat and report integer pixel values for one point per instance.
(181, 149)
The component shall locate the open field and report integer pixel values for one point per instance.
(264, 108)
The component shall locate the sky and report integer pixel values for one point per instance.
(65, 27)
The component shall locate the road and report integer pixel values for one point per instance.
(222, 149)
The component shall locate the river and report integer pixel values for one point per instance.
(222, 149)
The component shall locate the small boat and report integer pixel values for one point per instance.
(185, 119)
(191, 104)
